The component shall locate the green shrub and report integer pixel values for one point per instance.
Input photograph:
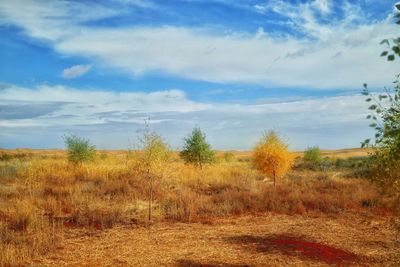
(196, 149)
(312, 154)
(385, 120)
(80, 150)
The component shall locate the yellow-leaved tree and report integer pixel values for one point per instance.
(152, 160)
(271, 156)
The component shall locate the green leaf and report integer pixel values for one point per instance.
(390, 57)
(384, 53)
(373, 107)
(384, 41)
(369, 117)
(382, 97)
(368, 99)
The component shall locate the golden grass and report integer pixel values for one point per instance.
(336, 153)
(43, 198)
(227, 242)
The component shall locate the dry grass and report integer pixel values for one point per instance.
(228, 242)
(45, 201)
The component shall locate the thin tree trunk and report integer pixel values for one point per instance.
(201, 165)
(274, 178)
(150, 199)
(150, 192)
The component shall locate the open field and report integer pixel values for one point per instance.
(54, 153)
(226, 214)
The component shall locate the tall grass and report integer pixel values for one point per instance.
(42, 194)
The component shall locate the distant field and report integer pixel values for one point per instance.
(338, 153)
(347, 153)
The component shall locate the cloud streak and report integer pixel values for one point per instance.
(75, 71)
(329, 121)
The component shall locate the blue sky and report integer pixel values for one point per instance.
(97, 69)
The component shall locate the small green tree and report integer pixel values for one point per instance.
(153, 155)
(196, 150)
(312, 154)
(385, 120)
(393, 45)
(384, 163)
(80, 150)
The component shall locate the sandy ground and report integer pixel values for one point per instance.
(244, 241)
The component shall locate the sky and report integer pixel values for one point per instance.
(99, 69)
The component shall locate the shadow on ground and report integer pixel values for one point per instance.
(190, 263)
(295, 246)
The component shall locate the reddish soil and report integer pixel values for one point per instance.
(313, 250)
(295, 246)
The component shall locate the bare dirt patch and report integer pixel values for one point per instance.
(298, 247)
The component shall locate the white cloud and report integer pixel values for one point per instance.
(242, 58)
(83, 104)
(342, 54)
(52, 20)
(322, 5)
(75, 71)
(330, 122)
(261, 8)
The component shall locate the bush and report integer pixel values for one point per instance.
(229, 157)
(385, 120)
(313, 155)
(385, 117)
(79, 149)
(196, 149)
